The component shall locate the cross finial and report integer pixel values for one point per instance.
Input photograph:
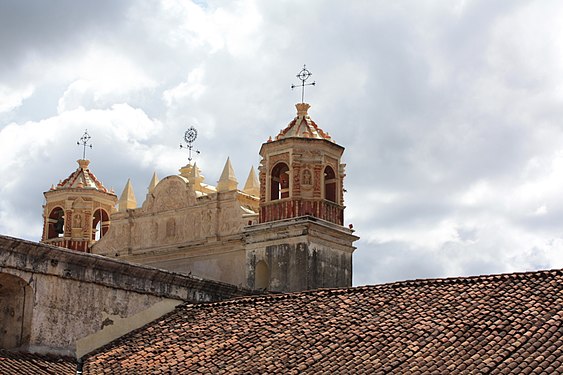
(84, 141)
(303, 75)
(190, 136)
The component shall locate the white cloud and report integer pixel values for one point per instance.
(450, 113)
(11, 99)
(191, 88)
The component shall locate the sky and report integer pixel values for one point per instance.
(451, 113)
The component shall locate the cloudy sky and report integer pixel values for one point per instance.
(451, 113)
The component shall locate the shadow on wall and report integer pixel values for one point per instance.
(16, 306)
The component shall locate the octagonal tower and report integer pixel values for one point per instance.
(300, 242)
(77, 211)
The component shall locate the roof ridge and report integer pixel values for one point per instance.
(356, 289)
(48, 356)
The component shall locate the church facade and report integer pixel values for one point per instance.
(282, 232)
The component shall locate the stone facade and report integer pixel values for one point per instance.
(282, 232)
(185, 226)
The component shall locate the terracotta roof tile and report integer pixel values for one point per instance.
(34, 364)
(500, 324)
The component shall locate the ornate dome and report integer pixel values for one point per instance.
(82, 178)
(302, 126)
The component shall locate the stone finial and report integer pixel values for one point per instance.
(127, 199)
(252, 186)
(302, 109)
(228, 180)
(153, 183)
(83, 163)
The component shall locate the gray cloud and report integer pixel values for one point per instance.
(449, 112)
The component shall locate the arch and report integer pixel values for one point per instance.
(262, 276)
(16, 304)
(55, 223)
(100, 223)
(330, 184)
(279, 182)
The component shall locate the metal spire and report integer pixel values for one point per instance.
(190, 136)
(303, 75)
(84, 141)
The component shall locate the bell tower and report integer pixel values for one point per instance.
(77, 211)
(300, 242)
(301, 173)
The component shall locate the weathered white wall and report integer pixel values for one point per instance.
(75, 294)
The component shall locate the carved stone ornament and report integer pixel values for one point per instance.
(306, 179)
(77, 221)
(172, 193)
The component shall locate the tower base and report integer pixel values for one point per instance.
(298, 254)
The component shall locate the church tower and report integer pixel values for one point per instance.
(77, 211)
(300, 242)
(301, 173)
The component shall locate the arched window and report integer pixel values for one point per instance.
(279, 182)
(330, 184)
(16, 300)
(262, 276)
(100, 224)
(55, 223)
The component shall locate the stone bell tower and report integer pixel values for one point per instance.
(77, 211)
(300, 242)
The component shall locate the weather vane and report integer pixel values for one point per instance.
(84, 141)
(303, 75)
(190, 136)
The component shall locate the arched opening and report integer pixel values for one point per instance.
(262, 276)
(55, 223)
(330, 184)
(279, 182)
(16, 302)
(100, 224)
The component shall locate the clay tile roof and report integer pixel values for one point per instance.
(502, 324)
(302, 126)
(35, 364)
(81, 178)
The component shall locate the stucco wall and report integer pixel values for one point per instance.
(77, 294)
(300, 254)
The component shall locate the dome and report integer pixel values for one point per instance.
(302, 126)
(82, 178)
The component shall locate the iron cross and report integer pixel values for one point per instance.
(84, 141)
(303, 75)
(190, 136)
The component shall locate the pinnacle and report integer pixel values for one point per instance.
(228, 180)
(127, 199)
(252, 185)
(153, 183)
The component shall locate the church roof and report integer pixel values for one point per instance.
(82, 177)
(507, 323)
(27, 363)
(302, 126)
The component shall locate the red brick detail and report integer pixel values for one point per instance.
(287, 209)
(81, 246)
(317, 173)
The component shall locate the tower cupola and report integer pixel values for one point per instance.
(77, 210)
(301, 173)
